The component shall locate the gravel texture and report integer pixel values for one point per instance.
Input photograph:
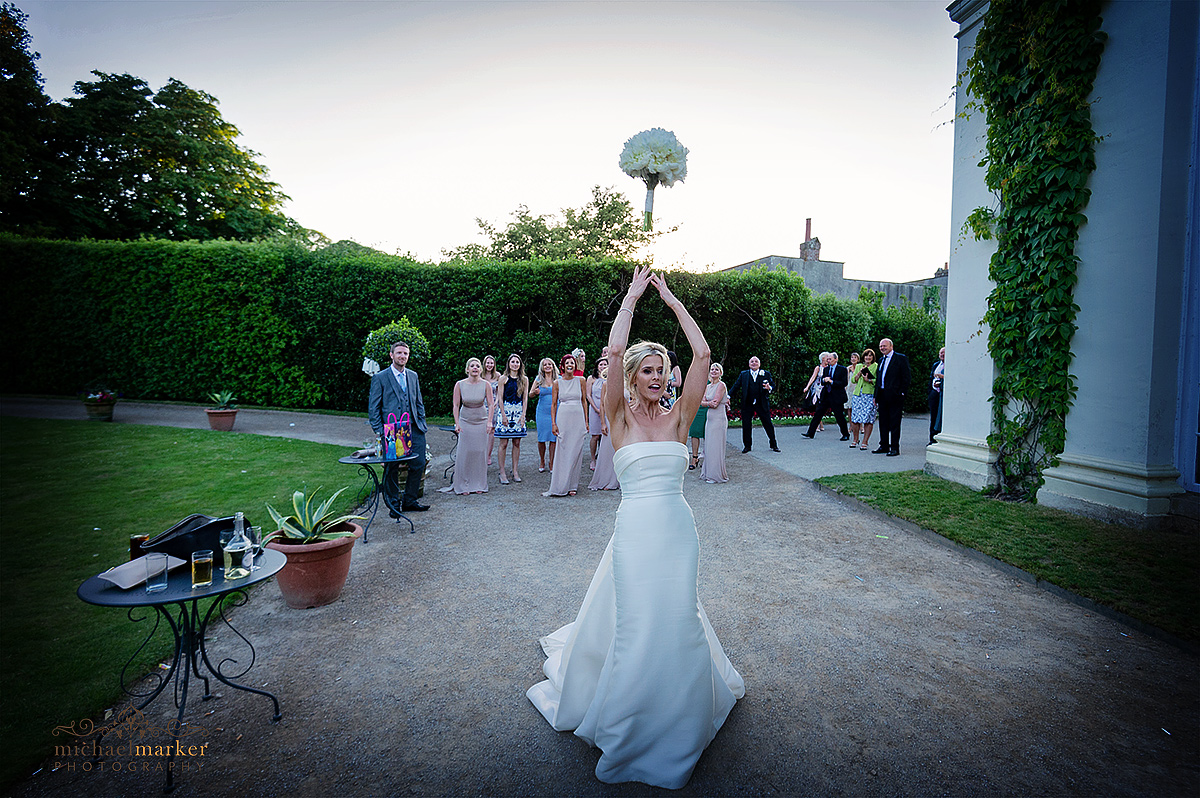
(877, 662)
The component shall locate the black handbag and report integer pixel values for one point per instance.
(197, 532)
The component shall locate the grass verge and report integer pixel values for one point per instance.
(1151, 576)
(72, 492)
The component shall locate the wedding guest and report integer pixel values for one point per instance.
(891, 386)
(936, 378)
(510, 420)
(569, 421)
(472, 408)
(862, 404)
(543, 389)
(834, 380)
(715, 402)
(696, 434)
(847, 407)
(753, 391)
(812, 389)
(580, 370)
(397, 390)
(605, 477)
(594, 421)
(492, 378)
(674, 382)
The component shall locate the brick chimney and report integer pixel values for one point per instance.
(811, 248)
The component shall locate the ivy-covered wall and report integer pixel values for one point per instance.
(282, 326)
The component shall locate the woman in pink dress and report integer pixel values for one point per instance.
(569, 422)
(716, 399)
(605, 477)
(594, 420)
(492, 377)
(472, 409)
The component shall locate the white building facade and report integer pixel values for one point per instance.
(1132, 431)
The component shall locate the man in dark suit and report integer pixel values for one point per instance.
(396, 389)
(753, 389)
(834, 379)
(891, 385)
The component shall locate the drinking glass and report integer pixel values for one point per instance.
(202, 568)
(156, 572)
(135, 545)
(255, 535)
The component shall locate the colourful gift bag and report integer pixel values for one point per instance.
(397, 437)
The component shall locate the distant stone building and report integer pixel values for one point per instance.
(825, 276)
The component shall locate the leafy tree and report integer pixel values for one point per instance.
(118, 160)
(163, 164)
(24, 116)
(603, 228)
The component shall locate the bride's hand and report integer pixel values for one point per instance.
(660, 282)
(642, 277)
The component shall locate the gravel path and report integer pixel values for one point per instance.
(877, 662)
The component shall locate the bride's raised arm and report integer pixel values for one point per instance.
(697, 374)
(613, 397)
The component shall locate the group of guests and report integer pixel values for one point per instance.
(491, 405)
(872, 391)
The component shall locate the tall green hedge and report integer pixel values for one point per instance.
(280, 325)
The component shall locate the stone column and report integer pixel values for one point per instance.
(961, 453)
(1119, 461)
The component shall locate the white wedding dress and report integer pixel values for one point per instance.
(640, 673)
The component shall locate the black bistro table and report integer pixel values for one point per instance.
(366, 467)
(189, 625)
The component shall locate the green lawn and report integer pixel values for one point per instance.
(72, 492)
(1151, 576)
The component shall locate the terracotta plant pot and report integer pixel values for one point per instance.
(221, 420)
(99, 411)
(315, 573)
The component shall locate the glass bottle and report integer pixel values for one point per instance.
(236, 551)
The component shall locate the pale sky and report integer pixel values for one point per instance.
(396, 124)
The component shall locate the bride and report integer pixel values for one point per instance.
(640, 673)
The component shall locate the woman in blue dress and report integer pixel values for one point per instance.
(543, 389)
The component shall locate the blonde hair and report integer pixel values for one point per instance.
(634, 356)
(553, 368)
(719, 367)
(467, 368)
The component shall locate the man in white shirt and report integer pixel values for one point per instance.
(753, 390)
(891, 385)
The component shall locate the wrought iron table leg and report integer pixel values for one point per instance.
(373, 503)
(218, 605)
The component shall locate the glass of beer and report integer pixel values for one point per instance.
(202, 565)
(135, 545)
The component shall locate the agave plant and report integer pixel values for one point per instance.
(310, 522)
(224, 400)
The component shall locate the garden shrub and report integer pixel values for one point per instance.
(284, 326)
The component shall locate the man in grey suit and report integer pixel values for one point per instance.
(396, 389)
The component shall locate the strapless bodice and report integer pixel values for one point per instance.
(651, 468)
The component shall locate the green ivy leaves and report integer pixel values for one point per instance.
(1032, 72)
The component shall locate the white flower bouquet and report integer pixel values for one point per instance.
(656, 157)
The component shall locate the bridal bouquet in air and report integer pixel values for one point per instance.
(656, 157)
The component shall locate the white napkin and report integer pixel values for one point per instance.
(133, 573)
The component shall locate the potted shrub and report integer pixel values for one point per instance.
(318, 548)
(99, 403)
(222, 416)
